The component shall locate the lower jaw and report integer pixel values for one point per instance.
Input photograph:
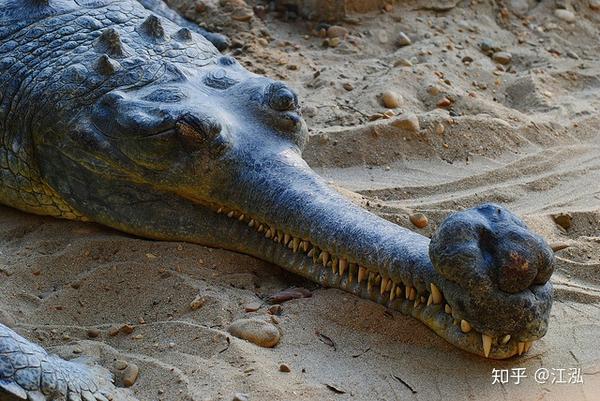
(429, 307)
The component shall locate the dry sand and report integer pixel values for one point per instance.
(527, 138)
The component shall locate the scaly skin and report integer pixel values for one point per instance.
(111, 114)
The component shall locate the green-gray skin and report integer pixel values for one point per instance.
(113, 115)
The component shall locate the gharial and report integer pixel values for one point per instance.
(114, 114)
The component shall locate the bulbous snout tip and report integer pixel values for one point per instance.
(280, 97)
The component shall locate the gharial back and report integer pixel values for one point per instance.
(58, 57)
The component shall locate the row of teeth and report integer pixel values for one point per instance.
(341, 266)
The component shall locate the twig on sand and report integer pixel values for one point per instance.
(408, 386)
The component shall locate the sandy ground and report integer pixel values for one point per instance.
(524, 135)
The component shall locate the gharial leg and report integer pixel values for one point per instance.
(159, 7)
(28, 372)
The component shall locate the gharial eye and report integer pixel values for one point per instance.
(165, 95)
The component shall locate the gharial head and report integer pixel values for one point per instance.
(211, 153)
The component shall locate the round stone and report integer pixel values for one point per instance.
(565, 15)
(390, 99)
(502, 57)
(255, 331)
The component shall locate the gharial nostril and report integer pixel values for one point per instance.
(281, 98)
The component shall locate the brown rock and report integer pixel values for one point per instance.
(93, 333)
(409, 122)
(127, 329)
(252, 307)
(255, 331)
(284, 368)
(563, 219)
(390, 99)
(502, 57)
(336, 31)
(419, 220)
(197, 303)
(130, 374)
(275, 309)
(444, 102)
(348, 86)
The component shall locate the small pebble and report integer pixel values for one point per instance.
(433, 90)
(336, 31)
(348, 86)
(565, 15)
(502, 57)
(240, 397)
(197, 303)
(403, 39)
(419, 220)
(487, 46)
(242, 16)
(121, 364)
(252, 307)
(130, 374)
(390, 99)
(444, 102)
(93, 333)
(439, 129)
(404, 62)
(256, 331)
(284, 368)
(127, 329)
(409, 122)
(275, 309)
(382, 36)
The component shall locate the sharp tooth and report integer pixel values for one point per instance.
(417, 302)
(413, 294)
(505, 339)
(325, 257)
(384, 283)
(351, 273)
(241, 218)
(393, 292)
(429, 300)
(269, 234)
(290, 245)
(436, 294)
(220, 210)
(334, 266)
(448, 309)
(520, 347)
(311, 252)
(295, 244)
(305, 245)
(398, 291)
(369, 286)
(343, 265)
(389, 285)
(465, 326)
(286, 238)
(261, 228)
(487, 344)
(280, 235)
(230, 214)
(407, 292)
(362, 273)
(528, 345)
(252, 223)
